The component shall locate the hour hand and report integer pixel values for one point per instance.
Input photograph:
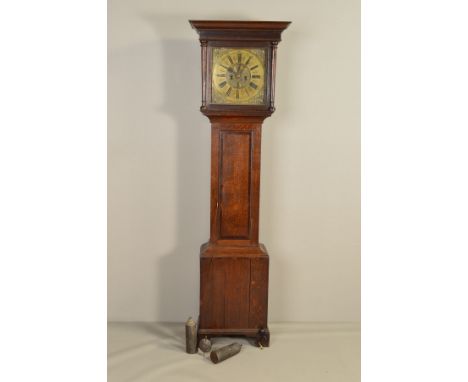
(229, 69)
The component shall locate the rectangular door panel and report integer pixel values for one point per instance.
(235, 176)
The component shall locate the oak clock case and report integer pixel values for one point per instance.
(238, 68)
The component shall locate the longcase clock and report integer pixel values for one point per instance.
(238, 83)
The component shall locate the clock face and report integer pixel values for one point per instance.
(238, 76)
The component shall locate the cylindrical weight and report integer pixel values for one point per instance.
(225, 352)
(191, 336)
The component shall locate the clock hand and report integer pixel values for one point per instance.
(228, 69)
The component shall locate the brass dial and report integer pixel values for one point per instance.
(238, 76)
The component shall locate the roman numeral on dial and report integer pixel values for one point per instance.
(230, 60)
(255, 76)
(229, 91)
(254, 67)
(222, 84)
(252, 85)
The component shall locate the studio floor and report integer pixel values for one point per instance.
(322, 352)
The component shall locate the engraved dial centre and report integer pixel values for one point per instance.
(239, 76)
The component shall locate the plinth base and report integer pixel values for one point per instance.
(234, 292)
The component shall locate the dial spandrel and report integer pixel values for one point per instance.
(238, 76)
